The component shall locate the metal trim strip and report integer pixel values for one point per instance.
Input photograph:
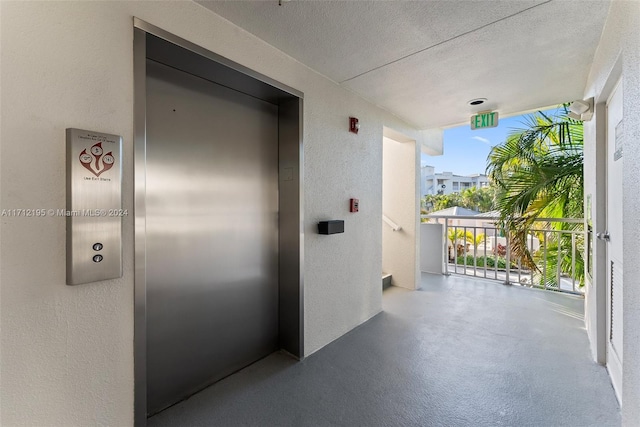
(158, 32)
(140, 280)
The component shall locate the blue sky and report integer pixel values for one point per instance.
(466, 150)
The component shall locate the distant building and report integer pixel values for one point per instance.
(447, 183)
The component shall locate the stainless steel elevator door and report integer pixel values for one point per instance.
(212, 233)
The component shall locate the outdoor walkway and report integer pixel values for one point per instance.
(460, 352)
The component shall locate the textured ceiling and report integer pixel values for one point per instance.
(424, 60)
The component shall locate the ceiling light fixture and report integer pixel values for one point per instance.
(477, 101)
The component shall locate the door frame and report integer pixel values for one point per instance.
(599, 279)
(152, 42)
(612, 361)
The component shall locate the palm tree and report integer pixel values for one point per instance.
(486, 201)
(480, 238)
(456, 235)
(538, 172)
(471, 198)
(457, 238)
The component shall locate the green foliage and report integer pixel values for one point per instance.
(538, 172)
(480, 238)
(481, 261)
(457, 235)
(549, 277)
(482, 200)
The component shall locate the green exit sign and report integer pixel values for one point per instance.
(488, 119)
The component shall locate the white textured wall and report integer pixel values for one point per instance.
(432, 142)
(67, 352)
(432, 248)
(620, 45)
(400, 203)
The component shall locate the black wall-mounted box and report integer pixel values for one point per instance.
(331, 227)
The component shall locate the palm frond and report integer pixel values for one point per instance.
(538, 172)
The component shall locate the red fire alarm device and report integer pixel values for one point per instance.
(353, 207)
(354, 125)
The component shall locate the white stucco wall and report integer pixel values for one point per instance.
(67, 352)
(432, 141)
(619, 52)
(400, 203)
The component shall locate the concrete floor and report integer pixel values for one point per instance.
(459, 352)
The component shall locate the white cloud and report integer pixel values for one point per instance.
(481, 139)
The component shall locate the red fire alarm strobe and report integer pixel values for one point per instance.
(354, 205)
(354, 125)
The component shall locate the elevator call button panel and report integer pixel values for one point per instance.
(94, 206)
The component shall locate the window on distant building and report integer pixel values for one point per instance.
(456, 186)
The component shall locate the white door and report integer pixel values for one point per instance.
(615, 159)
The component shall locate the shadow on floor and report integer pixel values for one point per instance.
(459, 352)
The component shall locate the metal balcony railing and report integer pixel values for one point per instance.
(477, 246)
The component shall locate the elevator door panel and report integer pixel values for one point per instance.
(212, 233)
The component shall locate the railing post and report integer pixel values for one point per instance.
(519, 270)
(544, 264)
(464, 242)
(446, 247)
(485, 252)
(573, 261)
(455, 249)
(495, 253)
(559, 259)
(475, 250)
(532, 273)
(508, 257)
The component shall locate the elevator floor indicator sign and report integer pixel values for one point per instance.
(95, 162)
(94, 193)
